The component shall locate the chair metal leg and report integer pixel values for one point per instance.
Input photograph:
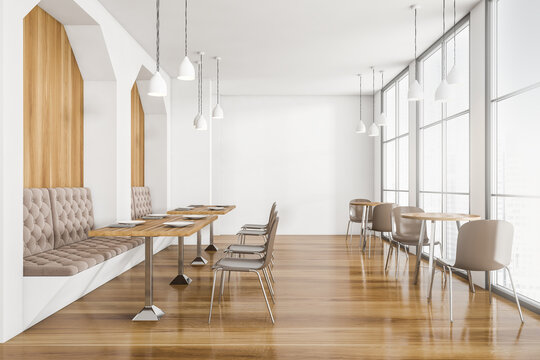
(212, 298)
(515, 294)
(351, 232)
(450, 292)
(370, 234)
(269, 284)
(489, 285)
(264, 294)
(419, 252)
(471, 285)
(397, 259)
(347, 235)
(431, 283)
(390, 250)
(222, 286)
(272, 275)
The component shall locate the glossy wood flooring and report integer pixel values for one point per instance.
(333, 302)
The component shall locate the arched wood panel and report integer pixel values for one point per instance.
(137, 138)
(53, 105)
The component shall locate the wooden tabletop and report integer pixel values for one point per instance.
(153, 228)
(441, 216)
(203, 210)
(367, 203)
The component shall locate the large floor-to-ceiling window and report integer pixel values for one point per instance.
(443, 181)
(514, 123)
(395, 142)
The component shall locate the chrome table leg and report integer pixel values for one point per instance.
(150, 312)
(199, 260)
(419, 251)
(181, 278)
(211, 247)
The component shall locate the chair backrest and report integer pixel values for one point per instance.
(272, 211)
(72, 214)
(407, 226)
(141, 202)
(37, 219)
(484, 245)
(270, 242)
(382, 217)
(356, 211)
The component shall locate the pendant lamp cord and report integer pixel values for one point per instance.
(415, 33)
(185, 27)
(454, 33)
(217, 87)
(444, 30)
(157, 35)
(382, 86)
(373, 77)
(360, 97)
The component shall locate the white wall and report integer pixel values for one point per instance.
(99, 144)
(155, 160)
(300, 151)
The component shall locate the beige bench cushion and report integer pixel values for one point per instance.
(76, 257)
(72, 215)
(141, 202)
(37, 218)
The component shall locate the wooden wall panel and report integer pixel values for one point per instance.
(137, 138)
(53, 105)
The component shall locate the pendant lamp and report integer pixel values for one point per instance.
(157, 86)
(382, 116)
(361, 127)
(186, 70)
(416, 93)
(200, 121)
(443, 92)
(455, 75)
(373, 129)
(217, 113)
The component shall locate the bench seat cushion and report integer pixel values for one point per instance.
(73, 258)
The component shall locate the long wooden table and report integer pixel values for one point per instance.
(149, 230)
(203, 210)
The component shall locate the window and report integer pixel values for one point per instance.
(444, 135)
(395, 144)
(514, 115)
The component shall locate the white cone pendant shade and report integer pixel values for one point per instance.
(217, 113)
(416, 93)
(200, 123)
(455, 76)
(444, 91)
(186, 70)
(373, 130)
(158, 86)
(361, 127)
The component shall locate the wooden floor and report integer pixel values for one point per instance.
(332, 303)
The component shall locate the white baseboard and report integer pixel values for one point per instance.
(45, 295)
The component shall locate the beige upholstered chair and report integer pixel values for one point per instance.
(483, 245)
(355, 215)
(382, 221)
(247, 265)
(141, 202)
(407, 233)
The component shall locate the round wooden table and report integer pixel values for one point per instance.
(366, 205)
(434, 217)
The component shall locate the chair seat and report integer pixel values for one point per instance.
(236, 264)
(411, 239)
(246, 249)
(251, 232)
(254, 226)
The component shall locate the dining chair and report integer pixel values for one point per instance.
(246, 265)
(407, 233)
(355, 216)
(482, 245)
(382, 222)
(263, 232)
(262, 226)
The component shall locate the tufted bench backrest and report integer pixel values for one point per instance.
(141, 202)
(72, 214)
(38, 226)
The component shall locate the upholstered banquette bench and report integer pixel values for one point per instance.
(56, 225)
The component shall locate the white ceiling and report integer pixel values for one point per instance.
(284, 47)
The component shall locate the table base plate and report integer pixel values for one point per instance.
(199, 261)
(149, 313)
(211, 247)
(182, 279)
